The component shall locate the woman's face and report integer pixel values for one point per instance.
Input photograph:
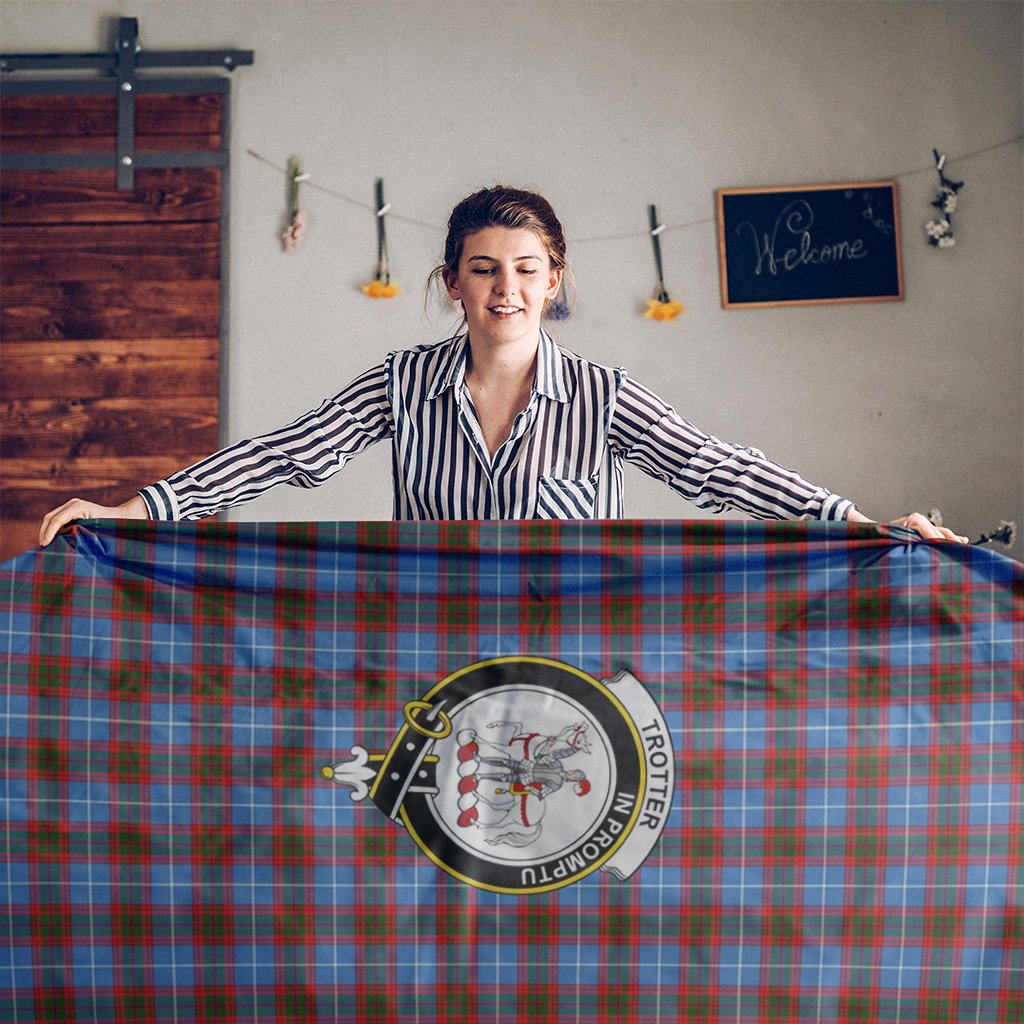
(504, 280)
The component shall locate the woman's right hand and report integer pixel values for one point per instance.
(78, 508)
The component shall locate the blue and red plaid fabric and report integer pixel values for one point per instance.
(842, 839)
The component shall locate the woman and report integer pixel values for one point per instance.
(498, 422)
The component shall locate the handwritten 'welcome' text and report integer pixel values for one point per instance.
(796, 221)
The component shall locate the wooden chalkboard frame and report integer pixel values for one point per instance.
(879, 281)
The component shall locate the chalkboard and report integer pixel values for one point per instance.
(814, 244)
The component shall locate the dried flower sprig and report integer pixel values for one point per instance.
(292, 237)
(381, 287)
(660, 307)
(1005, 533)
(940, 230)
(558, 308)
(298, 219)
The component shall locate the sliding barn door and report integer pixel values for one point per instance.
(110, 305)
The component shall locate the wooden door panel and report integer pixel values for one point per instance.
(111, 369)
(33, 484)
(120, 309)
(50, 429)
(98, 252)
(81, 197)
(77, 117)
(111, 306)
(104, 143)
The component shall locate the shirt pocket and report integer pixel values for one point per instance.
(565, 498)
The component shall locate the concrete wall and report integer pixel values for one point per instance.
(606, 107)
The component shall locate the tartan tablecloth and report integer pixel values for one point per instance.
(623, 771)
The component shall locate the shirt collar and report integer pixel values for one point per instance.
(451, 370)
(549, 380)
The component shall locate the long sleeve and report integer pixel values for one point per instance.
(707, 471)
(304, 453)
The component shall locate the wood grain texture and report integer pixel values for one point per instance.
(33, 486)
(69, 116)
(82, 197)
(108, 144)
(115, 309)
(182, 367)
(57, 428)
(110, 307)
(100, 252)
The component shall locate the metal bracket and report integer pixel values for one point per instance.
(123, 65)
(128, 46)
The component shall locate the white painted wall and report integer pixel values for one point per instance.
(606, 107)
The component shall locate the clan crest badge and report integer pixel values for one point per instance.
(523, 775)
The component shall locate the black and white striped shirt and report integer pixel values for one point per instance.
(562, 460)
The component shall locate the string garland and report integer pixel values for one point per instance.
(660, 308)
(311, 183)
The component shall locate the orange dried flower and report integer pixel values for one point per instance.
(380, 290)
(665, 311)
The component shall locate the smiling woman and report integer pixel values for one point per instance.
(504, 280)
(514, 210)
(496, 422)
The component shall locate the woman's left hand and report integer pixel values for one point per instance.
(919, 524)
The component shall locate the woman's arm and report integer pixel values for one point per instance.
(79, 508)
(712, 473)
(304, 453)
(715, 474)
(915, 521)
